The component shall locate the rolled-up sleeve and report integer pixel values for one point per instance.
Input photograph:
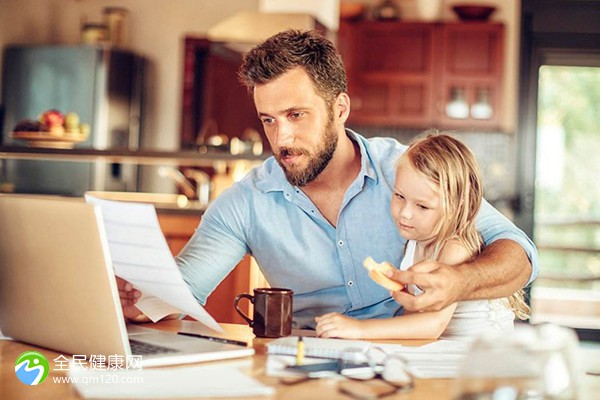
(493, 226)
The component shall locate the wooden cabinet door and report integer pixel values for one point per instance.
(178, 229)
(406, 74)
(471, 68)
(390, 72)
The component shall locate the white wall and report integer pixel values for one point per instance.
(326, 11)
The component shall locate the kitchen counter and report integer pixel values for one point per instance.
(163, 203)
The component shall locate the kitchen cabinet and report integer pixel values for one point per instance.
(423, 75)
(178, 228)
(390, 72)
(214, 101)
(470, 76)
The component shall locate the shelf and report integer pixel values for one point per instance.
(139, 157)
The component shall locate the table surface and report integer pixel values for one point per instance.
(12, 388)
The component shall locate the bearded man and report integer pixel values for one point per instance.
(312, 212)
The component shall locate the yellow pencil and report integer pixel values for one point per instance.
(300, 351)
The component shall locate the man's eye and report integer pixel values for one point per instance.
(267, 120)
(296, 115)
(399, 196)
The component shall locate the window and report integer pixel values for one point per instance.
(567, 183)
(559, 158)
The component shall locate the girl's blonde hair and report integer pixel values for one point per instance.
(451, 167)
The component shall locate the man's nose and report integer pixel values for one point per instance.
(285, 135)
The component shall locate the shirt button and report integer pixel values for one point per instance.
(350, 283)
(341, 242)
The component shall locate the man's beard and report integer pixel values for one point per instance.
(316, 161)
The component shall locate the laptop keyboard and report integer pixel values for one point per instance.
(141, 348)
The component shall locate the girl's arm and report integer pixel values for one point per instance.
(422, 325)
(426, 325)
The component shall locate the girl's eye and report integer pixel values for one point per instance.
(422, 207)
(399, 196)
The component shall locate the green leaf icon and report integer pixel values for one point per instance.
(31, 368)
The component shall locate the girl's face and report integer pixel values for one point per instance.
(416, 204)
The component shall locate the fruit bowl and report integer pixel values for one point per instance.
(473, 12)
(49, 140)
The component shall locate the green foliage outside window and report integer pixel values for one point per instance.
(567, 199)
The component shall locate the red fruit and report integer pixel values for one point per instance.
(52, 118)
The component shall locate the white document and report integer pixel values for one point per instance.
(172, 383)
(154, 308)
(440, 359)
(2, 337)
(324, 347)
(141, 255)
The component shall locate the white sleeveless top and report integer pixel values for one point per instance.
(471, 317)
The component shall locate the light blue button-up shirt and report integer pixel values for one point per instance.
(297, 248)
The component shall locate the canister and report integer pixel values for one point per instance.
(115, 19)
(94, 33)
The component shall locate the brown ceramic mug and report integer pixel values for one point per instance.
(272, 311)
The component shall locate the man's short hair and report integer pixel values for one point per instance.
(292, 49)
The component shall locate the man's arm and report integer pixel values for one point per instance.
(499, 271)
(212, 252)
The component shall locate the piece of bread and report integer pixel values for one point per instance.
(377, 273)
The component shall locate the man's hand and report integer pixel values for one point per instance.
(129, 296)
(499, 270)
(441, 285)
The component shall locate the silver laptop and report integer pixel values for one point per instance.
(58, 288)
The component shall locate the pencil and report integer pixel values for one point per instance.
(300, 351)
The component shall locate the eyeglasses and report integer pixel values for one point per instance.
(362, 365)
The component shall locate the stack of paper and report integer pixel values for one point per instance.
(323, 348)
(440, 359)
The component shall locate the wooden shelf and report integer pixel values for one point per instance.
(139, 157)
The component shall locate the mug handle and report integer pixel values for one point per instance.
(242, 314)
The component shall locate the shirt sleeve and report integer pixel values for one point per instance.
(493, 226)
(216, 247)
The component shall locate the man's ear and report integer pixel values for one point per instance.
(342, 107)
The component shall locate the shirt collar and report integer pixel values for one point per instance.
(274, 178)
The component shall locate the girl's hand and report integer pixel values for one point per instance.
(336, 325)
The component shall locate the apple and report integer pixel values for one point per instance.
(52, 118)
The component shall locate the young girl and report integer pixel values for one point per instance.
(436, 197)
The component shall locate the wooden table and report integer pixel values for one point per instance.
(11, 388)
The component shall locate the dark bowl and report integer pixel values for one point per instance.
(473, 13)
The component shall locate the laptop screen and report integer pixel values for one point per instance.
(57, 286)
